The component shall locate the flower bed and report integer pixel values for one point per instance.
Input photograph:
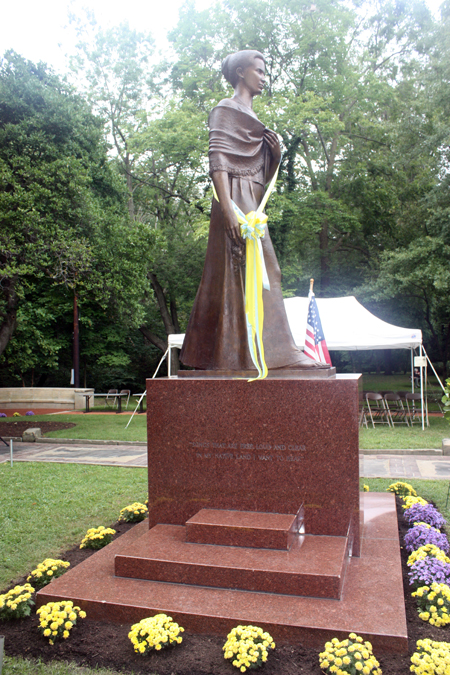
(107, 645)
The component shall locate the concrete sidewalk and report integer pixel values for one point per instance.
(374, 464)
(81, 452)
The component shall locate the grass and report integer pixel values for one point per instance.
(17, 666)
(403, 437)
(93, 427)
(47, 508)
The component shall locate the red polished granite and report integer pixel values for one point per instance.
(266, 446)
(314, 566)
(372, 603)
(244, 528)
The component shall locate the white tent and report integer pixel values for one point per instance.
(349, 326)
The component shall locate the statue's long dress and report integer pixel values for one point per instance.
(216, 335)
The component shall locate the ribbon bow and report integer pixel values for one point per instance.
(253, 229)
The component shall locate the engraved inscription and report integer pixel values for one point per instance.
(260, 452)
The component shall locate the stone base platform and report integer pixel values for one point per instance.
(315, 566)
(279, 373)
(372, 602)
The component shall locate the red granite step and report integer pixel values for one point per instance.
(244, 528)
(314, 566)
(372, 603)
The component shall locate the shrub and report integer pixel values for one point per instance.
(427, 551)
(156, 632)
(433, 604)
(133, 513)
(16, 603)
(422, 534)
(429, 570)
(247, 647)
(46, 571)
(431, 658)
(426, 514)
(56, 619)
(349, 656)
(402, 489)
(410, 501)
(97, 537)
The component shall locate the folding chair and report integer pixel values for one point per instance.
(377, 411)
(414, 413)
(362, 417)
(110, 394)
(126, 391)
(395, 408)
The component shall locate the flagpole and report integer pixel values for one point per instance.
(311, 284)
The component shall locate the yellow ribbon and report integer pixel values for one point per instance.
(253, 229)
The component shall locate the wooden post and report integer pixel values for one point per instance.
(76, 344)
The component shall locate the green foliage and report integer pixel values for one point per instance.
(446, 400)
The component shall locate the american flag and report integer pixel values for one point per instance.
(315, 345)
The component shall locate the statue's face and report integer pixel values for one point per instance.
(254, 76)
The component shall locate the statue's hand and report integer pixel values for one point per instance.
(232, 227)
(272, 141)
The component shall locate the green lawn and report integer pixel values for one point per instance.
(16, 666)
(94, 427)
(403, 437)
(47, 508)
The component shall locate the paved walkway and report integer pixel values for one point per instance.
(372, 465)
(77, 453)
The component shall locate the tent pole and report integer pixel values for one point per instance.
(434, 371)
(412, 370)
(421, 389)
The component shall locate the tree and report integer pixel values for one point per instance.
(159, 148)
(62, 208)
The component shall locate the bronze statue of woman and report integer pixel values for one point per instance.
(243, 157)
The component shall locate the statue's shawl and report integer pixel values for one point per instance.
(236, 142)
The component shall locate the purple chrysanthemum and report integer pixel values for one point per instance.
(30, 412)
(421, 535)
(3, 415)
(426, 513)
(428, 570)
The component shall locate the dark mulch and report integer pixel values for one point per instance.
(95, 643)
(16, 429)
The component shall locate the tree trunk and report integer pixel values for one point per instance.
(9, 319)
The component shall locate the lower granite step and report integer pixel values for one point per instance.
(314, 565)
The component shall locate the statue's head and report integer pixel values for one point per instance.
(241, 59)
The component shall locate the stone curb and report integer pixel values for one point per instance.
(76, 441)
(414, 451)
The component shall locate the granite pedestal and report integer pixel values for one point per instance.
(254, 515)
(271, 446)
